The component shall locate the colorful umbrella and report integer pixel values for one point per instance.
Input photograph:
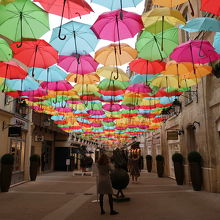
(11, 70)
(149, 45)
(139, 88)
(117, 25)
(52, 73)
(76, 38)
(84, 88)
(35, 93)
(168, 3)
(112, 73)
(216, 43)
(143, 66)
(201, 24)
(5, 2)
(141, 78)
(89, 78)
(112, 85)
(5, 51)
(61, 85)
(195, 51)
(23, 19)
(211, 6)
(117, 4)
(110, 55)
(80, 64)
(26, 84)
(35, 53)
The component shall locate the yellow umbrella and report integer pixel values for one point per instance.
(187, 70)
(168, 3)
(171, 16)
(85, 88)
(90, 78)
(80, 106)
(148, 102)
(110, 55)
(186, 83)
(112, 73)
(5, 2)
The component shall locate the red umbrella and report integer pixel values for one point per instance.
(66, 8)
(143, 66)
(14, 94)
(211, 6)
(11, 70)
(35, 53)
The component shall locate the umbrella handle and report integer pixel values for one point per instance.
(191, 7)
(116, 77)
(200, 49)
(61, 38)
(19, 45)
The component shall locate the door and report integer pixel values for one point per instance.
(173, 148)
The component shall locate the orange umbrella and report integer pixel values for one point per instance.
(110, 55)
(90, 78)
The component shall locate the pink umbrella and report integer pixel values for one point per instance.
(35, 100)
(96, 124)
(65, 109)
(117, 25)
(112, 107)
(109, 119)
(77, 63)
(139, 88)
(61, 85)
(96, 112)
(35, 93)
(195, 51)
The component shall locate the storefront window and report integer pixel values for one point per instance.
(17, 150)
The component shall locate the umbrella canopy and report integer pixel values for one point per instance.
(35, 93)
(149, 45)
(52, 73)
(216, 43)
(84, 88)
(75, 38)
(139, 88)
(112, 85)
(112, 73)
(5, 51)
(117, 4)
(26, 84)
(201, 24)
(11, 70)
(143, 66)
(187, 70)
(211, 6)
(195, 51)
(110, 55)
(66, 8)
(117, 25)
(141, 78)
(35, 53)
(61, 85)
(168, 3)
(80, 64)
(90, 78)
(23, 19)
(5, 2)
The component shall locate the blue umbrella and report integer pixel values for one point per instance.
(139, 78)
(79, 39)
(51, 74)
(26, 84)
(167, 100)
(201, 24)
(117, 4)
(57, 117)
(112, 98)
(216, 43)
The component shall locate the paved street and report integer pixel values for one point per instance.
(59, 196)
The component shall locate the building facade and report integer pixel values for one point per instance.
(196, 127)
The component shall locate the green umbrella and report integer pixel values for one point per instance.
(5, 51)
(112, 85)
(149, 45)
(156, 27)
(23, 19)
(94, 105)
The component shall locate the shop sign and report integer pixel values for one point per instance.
(14, 132)
(19, 122)
(172, 135)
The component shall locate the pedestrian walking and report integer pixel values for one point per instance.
(104, 183)
(134, 167)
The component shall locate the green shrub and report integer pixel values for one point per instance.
(148, 157)
(7, 159)
(194, 157)
(177, 157)
(159, 158)
(35, 158)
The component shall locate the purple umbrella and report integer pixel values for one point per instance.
(117, 25)
(195, 51)
(81, 64)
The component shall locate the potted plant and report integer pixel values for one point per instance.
(34, 166)
(160, 165)
(177, 159)
(149, 163)
(7, 162)
(195, 165)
